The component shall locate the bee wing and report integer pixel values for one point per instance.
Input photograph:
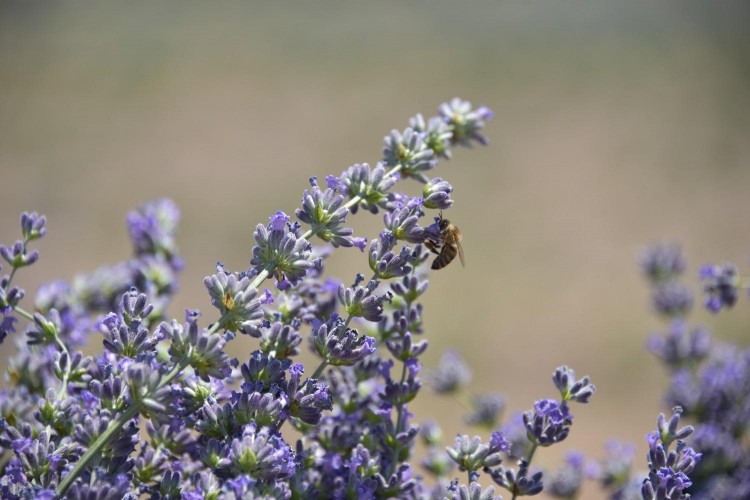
(457, 241)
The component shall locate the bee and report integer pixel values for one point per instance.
(447, 245)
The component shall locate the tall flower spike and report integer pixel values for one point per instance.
(465, 123)
(237, 302)
(282, 252)
(371, 186)
(409, 150)
(323, 211)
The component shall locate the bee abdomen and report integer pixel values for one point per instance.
(447, 254)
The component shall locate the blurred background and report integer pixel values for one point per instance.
(617, 125)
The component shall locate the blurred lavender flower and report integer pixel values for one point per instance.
(152, 227)
(661, 263)
(466, 124)
(721, 284)
(450, 374)
(672, 299)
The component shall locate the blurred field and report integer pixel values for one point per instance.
(617, 125)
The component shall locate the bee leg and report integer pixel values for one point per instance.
(432, 246)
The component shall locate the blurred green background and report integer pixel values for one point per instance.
(618, 124)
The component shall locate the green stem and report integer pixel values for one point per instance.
(319, 370)
(96, 447)
(530, 455)
(265, 273)
(115, 426)
(397, 429)
(24, 313)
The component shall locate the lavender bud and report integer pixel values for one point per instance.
(33, 225)
(450, 374)
(341, 346)
(661, 263)
(437, 194)
(282, 251)
(17, 256)
(437, 134)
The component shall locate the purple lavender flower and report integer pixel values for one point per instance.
(437, 134)
(662, 263)
(466, 124)
(17, 255)
(384, 261)
(437, 194)
(487, 410)
(571, 389)
(721, 284)
(548, 423)
(259, 454)
(359, 301)
(204, 352)
(237, 301)
(33, 226)
(409, 151)
(403, 222)
(471, 455)
(152, 227)
(371, 186)
(669, 469)
(282, 252)
(566, 481)
(451, 373)
(678, 347)
(323, 211)
(672, 299)
(339, 345)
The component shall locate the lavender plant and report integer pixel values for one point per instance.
(162, 411)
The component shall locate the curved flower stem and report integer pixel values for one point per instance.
(24, 313)
(115, 426)
(528, 458)
(397, 429)
(265, 273)
(319, 370)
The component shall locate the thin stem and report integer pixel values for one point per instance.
(530, 455)
(265, 273)
(96, 447)
(319, 370)
(115, 426)
(397, 429)
(24, 313)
